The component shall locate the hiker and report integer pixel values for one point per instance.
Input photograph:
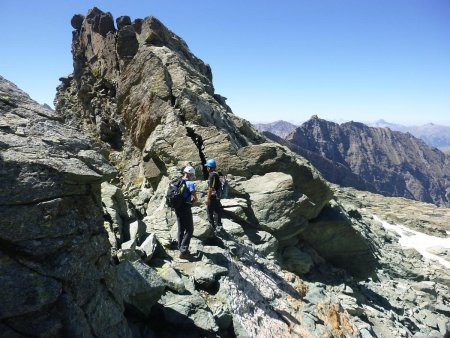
(212, 199)
(184, 212)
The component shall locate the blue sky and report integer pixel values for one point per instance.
(342, 60)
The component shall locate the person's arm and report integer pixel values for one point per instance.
(194, 197)
(208, 195)
(209, 191)
(191, 187)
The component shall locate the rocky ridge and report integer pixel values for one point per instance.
(293, 260)
(279, 128)
(374, 159)
(433, 134)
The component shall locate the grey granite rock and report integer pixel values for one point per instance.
(55, 252)
(141, 286)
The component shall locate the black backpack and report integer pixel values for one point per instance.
(223, 187)
(174, 196)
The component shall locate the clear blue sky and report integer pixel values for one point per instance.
(355, 60)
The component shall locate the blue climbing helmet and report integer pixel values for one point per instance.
(211, 163)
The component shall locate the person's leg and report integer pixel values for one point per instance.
(210, 212)
(181, 230)
(216, 213)
(219, 213)
(189, 230)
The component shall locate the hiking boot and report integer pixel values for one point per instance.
(185, 254)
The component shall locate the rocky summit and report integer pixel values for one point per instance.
(279, 128)
(379, 160)
(87, 241)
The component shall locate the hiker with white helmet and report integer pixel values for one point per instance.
(183, 210)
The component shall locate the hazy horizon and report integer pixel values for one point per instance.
(344, 121)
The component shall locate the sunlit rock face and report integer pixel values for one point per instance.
(151, 104)
(56, 274)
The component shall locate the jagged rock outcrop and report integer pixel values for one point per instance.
(56, 274)
(374, 159)
(142, 103)
(163, 103)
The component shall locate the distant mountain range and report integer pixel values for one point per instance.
(374, 159)
(434, 135)
(280, 128)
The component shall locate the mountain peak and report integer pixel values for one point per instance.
(280, 128)
(374, 159)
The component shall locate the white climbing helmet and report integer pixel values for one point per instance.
(189, 170)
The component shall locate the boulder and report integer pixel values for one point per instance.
(277, 207)
(116, 211)
(129, 245)
(236, 208)
(77, 21)
(296, 260)
(130, 255)
(127, 44)
(188, 311)
(333, 236)
(158, 224)
(269, 157)
(262, 242)
(123, 21)
(149, 247)
(141, 286)
(206, 274)
(137, 231)
(171, 278)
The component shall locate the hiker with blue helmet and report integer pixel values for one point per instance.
(212, 200)
(184, 212)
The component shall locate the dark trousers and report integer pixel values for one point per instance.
(214, 209)
(185, 226)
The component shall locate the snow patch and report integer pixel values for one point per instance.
(419, 241)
